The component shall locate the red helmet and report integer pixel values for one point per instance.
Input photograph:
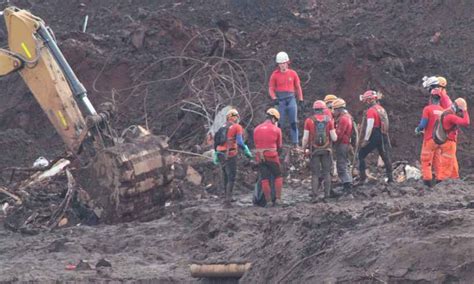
(369, 96)
(319, 105)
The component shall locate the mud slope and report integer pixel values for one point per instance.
(397, 236)
(343, 47)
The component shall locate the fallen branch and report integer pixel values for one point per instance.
(59, 213)
(6, 192)
(189, 153)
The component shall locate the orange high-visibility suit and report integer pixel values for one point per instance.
(449, 168)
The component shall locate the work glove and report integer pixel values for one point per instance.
(302, 106)
(247, 152)
(215, 158)
(275, 103)
(418, 131)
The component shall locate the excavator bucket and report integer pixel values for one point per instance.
(128, 181)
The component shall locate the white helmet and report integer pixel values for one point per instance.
(282, 57)
(430, 82)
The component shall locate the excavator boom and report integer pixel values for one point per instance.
(123, 176)
(41, 72)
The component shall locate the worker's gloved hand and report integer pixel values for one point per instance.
(302, 106)
(275, 103)
(215, 158)
(418, 131)
(247, 152)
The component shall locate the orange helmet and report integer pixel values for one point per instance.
(461, 104)
(442, 82)
(369, 96)
(339, 103)
(319, 105)
(232, 113)
(274, 113)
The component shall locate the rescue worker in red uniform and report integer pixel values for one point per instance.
(376, 135)
(318, 135)
(226, 154)
(430, 151)
(452, 119)
(284, 88)
(268, 143)
(438, 82)
(343, 124)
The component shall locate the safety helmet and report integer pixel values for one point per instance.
(431, 82)
(369, 96)
(442, 82)
(329, 98)
(282, 57)
(274, 113)
(232, 113)
(461, 103)
(319, 105)
(339, 103)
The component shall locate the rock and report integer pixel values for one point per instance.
(63, 222)
(103, 262)
(193, 176)
(83, 265)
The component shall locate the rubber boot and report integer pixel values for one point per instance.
(428, 183)
(347, 188)
(389, 178)
(228, 194)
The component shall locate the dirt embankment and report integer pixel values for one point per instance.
(344, 48)
(386, 234)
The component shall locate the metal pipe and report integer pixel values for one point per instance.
(78, 89)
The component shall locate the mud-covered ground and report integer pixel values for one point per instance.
(396, 234)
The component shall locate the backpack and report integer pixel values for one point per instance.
(220, 137)
(320, 136)
(383, 119)
(439, 133)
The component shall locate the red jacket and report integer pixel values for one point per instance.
(431, 113)
(344, 128)
(451, 122)
(372, 113)
(267, 136)
(285, 82)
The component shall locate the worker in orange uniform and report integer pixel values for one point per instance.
(343, 124)
(430, 151)
(318, 135)
(452, 119)
(268, 143)
(438, 82)
(226, 151)
(284, 88)
(376, 134)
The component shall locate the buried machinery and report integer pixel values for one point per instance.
(123, 176)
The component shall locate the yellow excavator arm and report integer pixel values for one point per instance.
(34, 53)
(124, 176)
